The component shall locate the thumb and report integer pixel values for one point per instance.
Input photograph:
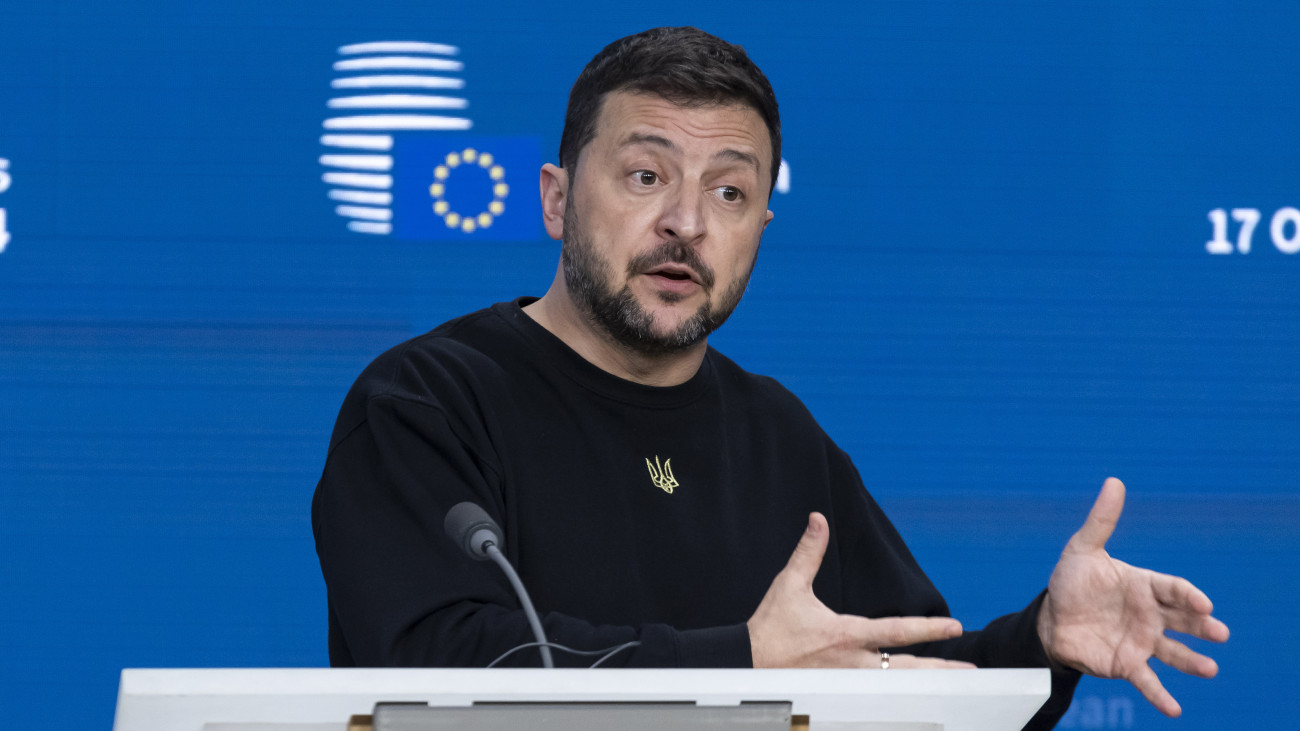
(808, 553)
(1101, 521)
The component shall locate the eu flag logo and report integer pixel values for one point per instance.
(398, 161)
(460, 187)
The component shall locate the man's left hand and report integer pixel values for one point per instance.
(1108, 619)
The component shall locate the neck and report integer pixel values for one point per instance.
(556, 312)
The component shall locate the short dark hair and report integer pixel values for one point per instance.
(685, 66)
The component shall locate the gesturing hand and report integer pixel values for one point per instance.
(1107, 618)
(792, 628)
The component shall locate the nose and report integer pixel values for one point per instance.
(682, 217)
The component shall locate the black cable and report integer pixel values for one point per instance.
(606, 653)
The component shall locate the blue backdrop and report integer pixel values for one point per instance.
(1022, 246)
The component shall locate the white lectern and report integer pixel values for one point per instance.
(324, 699)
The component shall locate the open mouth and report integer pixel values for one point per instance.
(673, 273)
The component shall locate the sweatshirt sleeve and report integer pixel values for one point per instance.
(400, 593)
(893, 584)
(1011, 641)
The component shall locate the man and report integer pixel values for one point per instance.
(649, 488)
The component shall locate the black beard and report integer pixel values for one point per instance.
(619, 314)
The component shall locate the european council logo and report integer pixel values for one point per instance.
(399, 158)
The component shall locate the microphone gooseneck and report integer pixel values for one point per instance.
(470, 527)
(533, 620)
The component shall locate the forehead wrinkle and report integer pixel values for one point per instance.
(730, 155)
(622, 107)
(726, 155)
(640, 138)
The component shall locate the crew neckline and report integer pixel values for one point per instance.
(553, 353)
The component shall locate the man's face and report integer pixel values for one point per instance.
(663, 218)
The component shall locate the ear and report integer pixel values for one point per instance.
(555, 195)
(768, 219)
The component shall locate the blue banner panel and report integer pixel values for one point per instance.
(1017, 247)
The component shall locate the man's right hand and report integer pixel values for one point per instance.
(792, 628)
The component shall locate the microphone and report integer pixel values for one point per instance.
(473, 530)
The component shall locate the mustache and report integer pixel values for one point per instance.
(672, 252)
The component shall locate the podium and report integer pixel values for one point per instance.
(324, 699)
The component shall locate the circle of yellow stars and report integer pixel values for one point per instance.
(454, 219)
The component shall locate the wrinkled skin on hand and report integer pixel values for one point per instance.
(1108, 619)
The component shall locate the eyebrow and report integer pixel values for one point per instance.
(728, 154)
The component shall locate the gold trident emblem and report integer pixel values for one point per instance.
(662, 476)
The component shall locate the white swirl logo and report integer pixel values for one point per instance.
(5, 181)
(388, 87)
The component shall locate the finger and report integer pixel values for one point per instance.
(911, 662)
(1181, 657)
(1187, 609)
(1196, 624)
(1102, 518)
(1177, 593)
(1212, 629)
(808, 553)
(902, 631)
(1145, 680)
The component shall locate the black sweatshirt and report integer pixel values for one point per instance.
(631, 512)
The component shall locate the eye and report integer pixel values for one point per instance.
(646, 177)
(729, 193)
